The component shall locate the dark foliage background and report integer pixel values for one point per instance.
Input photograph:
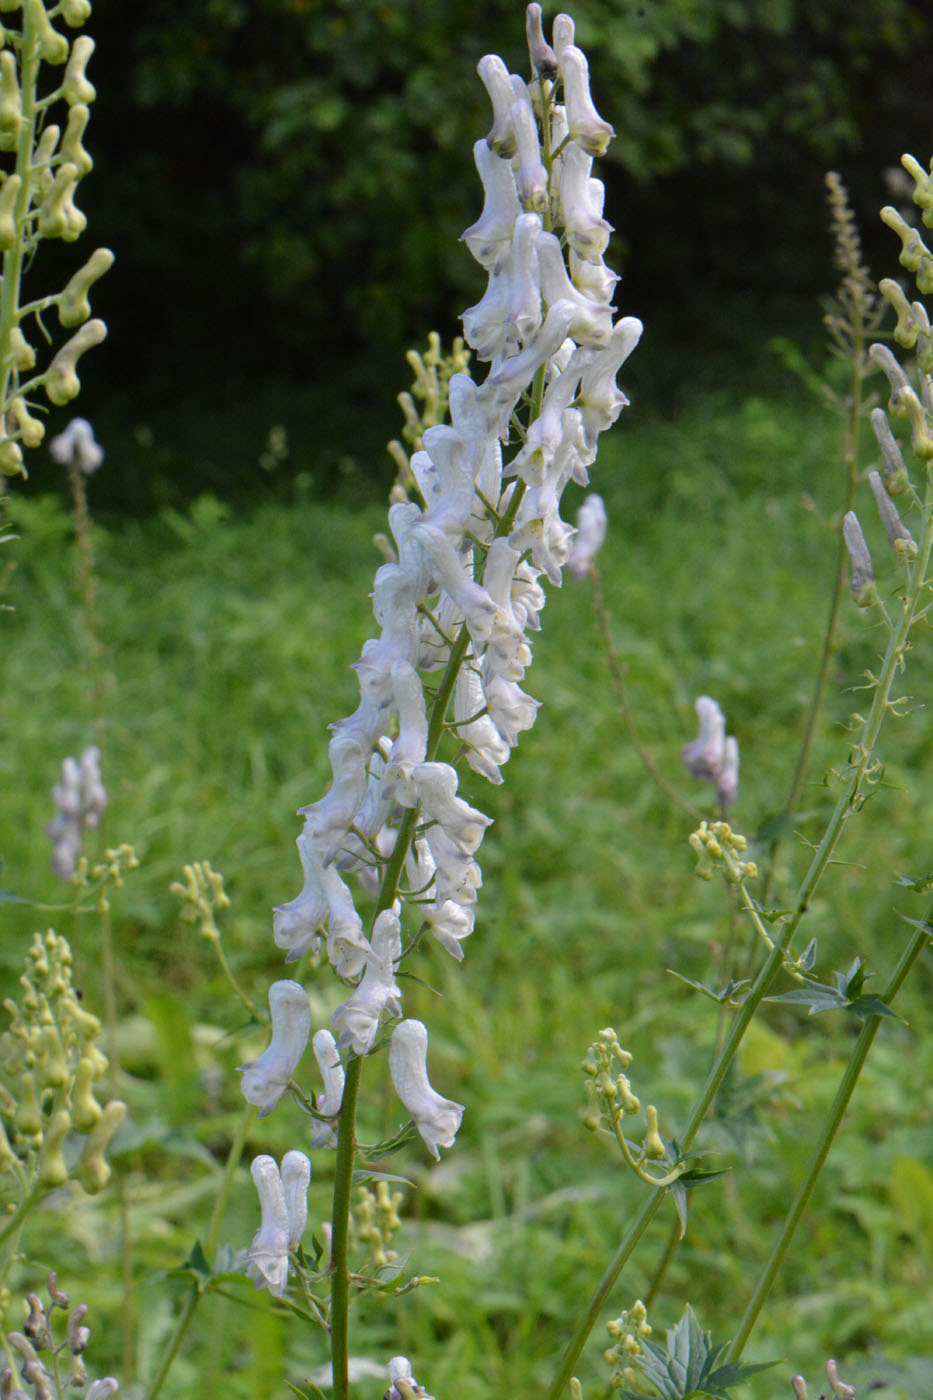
(284, 183)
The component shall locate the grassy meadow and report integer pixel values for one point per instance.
(226, 638)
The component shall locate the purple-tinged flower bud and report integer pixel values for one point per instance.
(587, 127)
(863, 575)
(497, 81)
(896, 478)
(899, 537)
(543, 57)
(436, 1118)
(266, 1078)
(591, 532)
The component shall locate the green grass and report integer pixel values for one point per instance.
(227, 642)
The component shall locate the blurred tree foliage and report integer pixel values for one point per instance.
(284, 181)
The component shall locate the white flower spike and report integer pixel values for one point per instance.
(436, 1118)
(266, 1078)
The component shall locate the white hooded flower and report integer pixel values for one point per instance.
(283, 1199)
(591, 532)
(587, 127)
(265, 1079)
(711, 754)
(489, 238)
(703, 756)
(436, 1118)
(358, 1018)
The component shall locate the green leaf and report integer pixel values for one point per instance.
(723, 997)
(362, 1175)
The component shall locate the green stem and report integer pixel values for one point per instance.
(845, 806)
(820, 1153)
(340, 1234)
(189, 1307)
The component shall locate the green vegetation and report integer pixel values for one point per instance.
(226, 641)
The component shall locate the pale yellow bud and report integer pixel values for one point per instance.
(74, 307)
(53, 47)
(62, 383)
(92, 1170)
(52, 1168)
(75, 86)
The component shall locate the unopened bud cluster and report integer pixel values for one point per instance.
(627, 1332)
(609, 1095)
(474, 528)
(50, 1063)
(718, 847)
(38, 189)
(375, 1221)
(203, 896)
(46, 1364)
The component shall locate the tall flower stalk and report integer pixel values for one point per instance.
(472, 538)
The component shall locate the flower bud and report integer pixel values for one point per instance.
(62, 383)
(914, 254)
(77, 1334)
(543, 57)
(890, 519)
(497, 81)
(75, 86)
(896, 478)
(92, 1170)
(27, 1120)
(863, 575)
(910, 317)
(85, 1110)
(11, 105)
(59, 216)
(8, 195)
(31, 430)
(71, 147)
(653, 1145)
(52, 1168)
(75, 12)
(24, 357)
(53, 47)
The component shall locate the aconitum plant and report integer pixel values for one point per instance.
(389, 852)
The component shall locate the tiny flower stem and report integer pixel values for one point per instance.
(769, 1273)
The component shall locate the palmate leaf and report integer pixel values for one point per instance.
(686, 1368)
(844, 995)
